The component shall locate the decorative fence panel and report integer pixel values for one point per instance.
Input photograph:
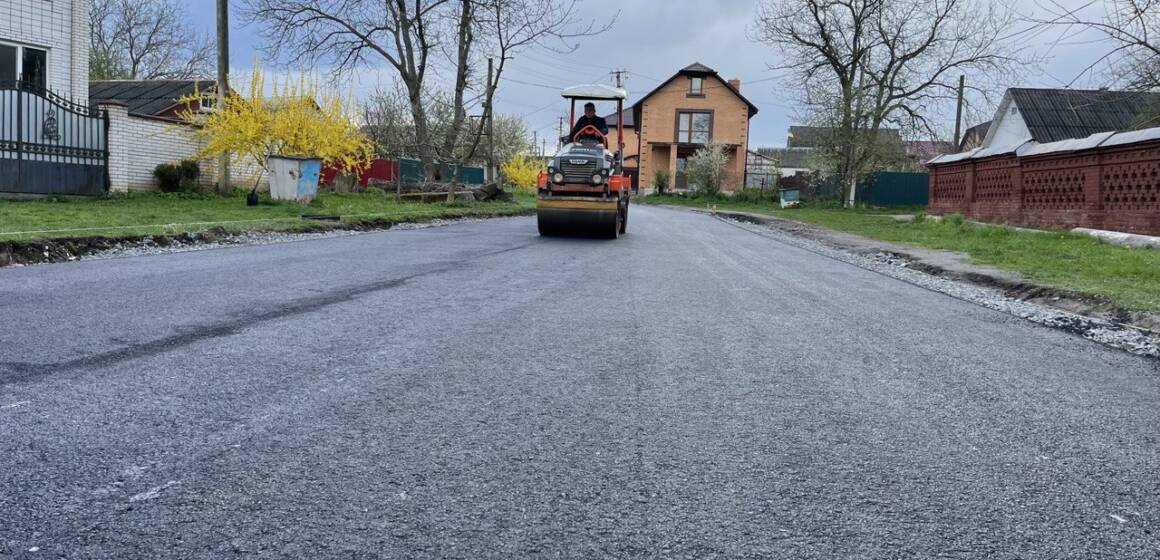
(1110, 186)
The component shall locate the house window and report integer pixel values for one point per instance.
(8, 64)
(18, 62)
(34, 67)
(696, 86)
(694, 127)
(207, 102)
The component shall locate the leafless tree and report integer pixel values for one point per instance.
(865, 64)
(146, 40)
(422, 40)
(1128, 27)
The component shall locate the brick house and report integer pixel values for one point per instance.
(1053, 115)
(693, 108)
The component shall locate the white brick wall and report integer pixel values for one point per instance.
(62, 27)
(137, 145)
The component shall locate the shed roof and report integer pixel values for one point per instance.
(814, 136)
(789, 158)
(977, 132)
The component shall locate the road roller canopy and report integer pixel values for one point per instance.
(594, 91)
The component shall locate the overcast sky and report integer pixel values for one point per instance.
(652, 39)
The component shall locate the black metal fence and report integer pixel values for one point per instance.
(51, 145)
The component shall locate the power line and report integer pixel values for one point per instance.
(557, 88)
(562, 62)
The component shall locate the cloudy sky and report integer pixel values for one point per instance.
(652, 39)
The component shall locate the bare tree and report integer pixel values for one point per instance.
(388, 122)
(421, 40)
(146, 40)
(510, 26)
(863, 64)
(1128, 27)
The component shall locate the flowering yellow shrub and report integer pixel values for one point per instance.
(298, 119)
(522, 170)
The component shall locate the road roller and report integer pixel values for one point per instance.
(584, 192)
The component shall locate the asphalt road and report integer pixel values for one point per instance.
(691, 390)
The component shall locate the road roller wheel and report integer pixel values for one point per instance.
(624, 219)
(572, 222)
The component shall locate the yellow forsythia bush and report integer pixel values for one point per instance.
(298, 119)
(522, 170)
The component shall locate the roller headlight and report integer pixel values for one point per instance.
(558, 178)
(597, 179)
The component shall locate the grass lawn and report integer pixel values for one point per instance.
(1129, 277)
(155, 213)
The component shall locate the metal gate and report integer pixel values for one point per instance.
(50, 145)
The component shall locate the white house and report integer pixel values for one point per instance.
(1052, 115)
(46, 43)
(73, 142)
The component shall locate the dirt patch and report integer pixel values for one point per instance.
(957, 266)
(67, 249)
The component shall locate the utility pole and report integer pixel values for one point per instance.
(852, 178)
(535, 140)
(223, 81)
(491, 125)
(619, 73)
(544, 147)
(560, 134)
(959, 110)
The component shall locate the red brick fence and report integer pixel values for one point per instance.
(1110, 182)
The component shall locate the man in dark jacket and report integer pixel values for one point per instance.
(589, 119)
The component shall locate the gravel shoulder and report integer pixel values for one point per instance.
(26, 253)
(953, 274)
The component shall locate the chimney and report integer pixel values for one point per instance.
(735, 83)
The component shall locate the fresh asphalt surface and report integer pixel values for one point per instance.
(692, 390)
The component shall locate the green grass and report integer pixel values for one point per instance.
(153, 213)
(1129, 277)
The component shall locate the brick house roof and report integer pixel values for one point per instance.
(697, 69)
(146, 97)
(629, 122)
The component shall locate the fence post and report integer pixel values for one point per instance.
(19, 91)
(1017, 190)
(107, 151)
(1093, 189)
(968, 205)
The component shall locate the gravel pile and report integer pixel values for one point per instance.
(1112, 334)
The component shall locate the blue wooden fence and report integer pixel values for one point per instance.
(894, 188)
(412, 172)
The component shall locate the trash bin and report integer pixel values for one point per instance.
(790, 197)
(294, 178)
